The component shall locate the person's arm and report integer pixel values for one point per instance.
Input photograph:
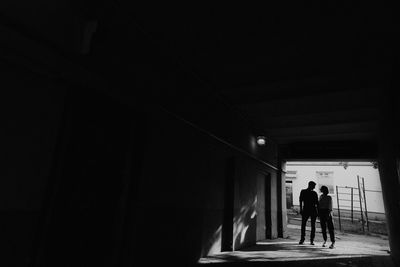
(330, 205)
(301, 202)
(316, 203)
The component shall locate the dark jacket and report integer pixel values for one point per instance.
(310, 200)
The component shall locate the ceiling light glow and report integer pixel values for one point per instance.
(261, 140)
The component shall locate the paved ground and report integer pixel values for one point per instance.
(350, 250)
(374, 226)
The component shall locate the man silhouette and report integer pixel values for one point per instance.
(308, 208)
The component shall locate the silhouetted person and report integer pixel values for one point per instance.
(325, 215)
(308, 208)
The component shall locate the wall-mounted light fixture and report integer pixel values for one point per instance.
(261, 140)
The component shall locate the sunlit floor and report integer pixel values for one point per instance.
(350, 250)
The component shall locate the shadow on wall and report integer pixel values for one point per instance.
(244, 230)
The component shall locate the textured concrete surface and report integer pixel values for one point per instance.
(350, 250)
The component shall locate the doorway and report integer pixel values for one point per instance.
(289, 194)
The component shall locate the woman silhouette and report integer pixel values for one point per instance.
(325, 215)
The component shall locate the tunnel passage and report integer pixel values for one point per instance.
(355, 245)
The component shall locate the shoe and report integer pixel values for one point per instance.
(301, 242)
(332, 245)
(324, 244)
(312, 243)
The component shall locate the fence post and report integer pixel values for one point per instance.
(337, 197)
(365, 204)
(360, 197)
(352, 210)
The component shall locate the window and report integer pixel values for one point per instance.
(326, 178)
(291, 174)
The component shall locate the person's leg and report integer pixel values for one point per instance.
(313, 218)
(304, 218)
(322, 219)
(331, 230)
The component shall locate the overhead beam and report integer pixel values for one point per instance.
(369, 126)
(327, 118)
(314, 86)
(324, 151)
(355, 136)
(41, 59)
(329, 102)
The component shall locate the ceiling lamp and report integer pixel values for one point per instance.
(261, 140)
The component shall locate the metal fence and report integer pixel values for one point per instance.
(353, 200)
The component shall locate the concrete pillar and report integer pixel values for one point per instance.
(227, 224)
(388, 171)
(261, 222)
(271, 206)
(281, 196)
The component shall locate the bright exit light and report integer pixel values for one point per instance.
(261, 140)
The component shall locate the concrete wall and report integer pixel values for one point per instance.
(100, 181)
(273, 208)
(31, 107)
(188, 191)
(255, 210)
(60, 25)
(121, 182)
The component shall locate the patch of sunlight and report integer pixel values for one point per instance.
(216, 242)
(277, 242)
(243, 233)
(241, 222)
(254, 214)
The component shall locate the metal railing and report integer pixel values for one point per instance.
(358, 202)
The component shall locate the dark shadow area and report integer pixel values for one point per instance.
(284, 252)
(120, 119)
(316, 251)
(371, 261)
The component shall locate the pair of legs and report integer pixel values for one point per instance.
(304, 218)
(325, 218)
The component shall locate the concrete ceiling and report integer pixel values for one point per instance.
(300, 73)
(303, 74)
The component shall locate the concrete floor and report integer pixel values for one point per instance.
(350, 250)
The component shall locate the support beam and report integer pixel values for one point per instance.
(44, 60)
(366, 151)
(340, 128)
(389, 175)
(330, 102)
(338, 137)
(281, 195)
(328, 118)
(313, 86)
(271, 204)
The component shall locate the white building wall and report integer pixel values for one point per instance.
(341, 177)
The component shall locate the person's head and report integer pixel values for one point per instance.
(311, 185)
(324, 190)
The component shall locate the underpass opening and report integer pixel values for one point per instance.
(359, 220)
(354, 187)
